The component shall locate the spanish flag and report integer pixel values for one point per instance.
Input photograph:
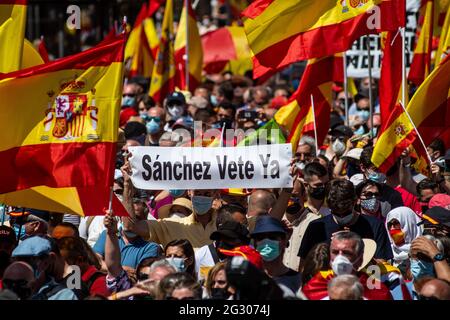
(42, 49)
(163, 76)
(429, 109)
(226, 49)
(391, 73)
(444, 40)
(60, 121)
(13, 14)
(235, 7)
(188, 28)
(281, 32)
(421, 63)
(316, 81)
(30, 56)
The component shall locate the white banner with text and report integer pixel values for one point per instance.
(163, 168)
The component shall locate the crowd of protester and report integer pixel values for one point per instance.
(343, 231)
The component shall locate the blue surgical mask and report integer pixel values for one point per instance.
(176, 193)
(421, 269)
(152, 127)
(374, 131)
(128, 101)
(213, 100)
(201, 204)
(269, 249)
(363, 114)
(130, 234)
(360, 130)
(177, 263)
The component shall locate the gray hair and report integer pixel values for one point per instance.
(349, 235)
(353, 288)
(309, 141)
(163, 263)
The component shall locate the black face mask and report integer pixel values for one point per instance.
(219, 294)
(318, 193)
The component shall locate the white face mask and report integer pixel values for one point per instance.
(338, 147)
(177, 214)
(175, 111)
(341, 265)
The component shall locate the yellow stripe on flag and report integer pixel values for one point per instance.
(30, 56)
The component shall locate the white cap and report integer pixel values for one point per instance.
(354, 153)
(117, 174)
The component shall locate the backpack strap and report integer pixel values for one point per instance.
(214, 254)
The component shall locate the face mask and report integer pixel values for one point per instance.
(301, 165)
(219, 293)
(377, 177)
(424, 206)
(143, 115)
(363, 114)
(128, 101)
(370, 205)
(318, 193)
(201, 204)
(177, 263)
(338, 147)
(175, 111)
(130, 234)
(398, 236)
(421, 268)
(269, 249)
(343, 221)
(374, 131)
(341, 265)
(177, 215)
(359, 131)
(152, 127)
(176, 193)
(213, 100)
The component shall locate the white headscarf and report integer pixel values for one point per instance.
(408, 222)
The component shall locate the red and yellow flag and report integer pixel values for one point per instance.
(43, 50)
(30, 56)
(316, 81)
(163, 76)
(391, 74)
(13, 14)
(429, 109)
(421, 63)
(195, 54)
(444, 40)
(60, 121)
(283, 32)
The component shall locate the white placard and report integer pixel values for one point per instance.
(163, 168)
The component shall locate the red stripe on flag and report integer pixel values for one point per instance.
(256, 8)
(14, 2)
(57, 165)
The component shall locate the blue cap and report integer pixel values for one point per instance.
(268, 224)
(32, 247)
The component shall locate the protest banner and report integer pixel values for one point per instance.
(162, 168)
(357, 57)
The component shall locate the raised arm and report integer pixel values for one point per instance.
(406, 180)
(112, 248)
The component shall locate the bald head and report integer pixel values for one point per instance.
(19, 270)
(436, 288)
(260, 202)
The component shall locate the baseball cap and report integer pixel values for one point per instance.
(198, 102)
(436, 216)
(33, 247)
(268, 224)
(440, 200)
(354, 153)
(230, 229)
(342, 130)
(163, 211)
(7, 234)
(247, 252)
(176, 96)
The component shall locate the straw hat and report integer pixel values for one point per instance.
(164, 211)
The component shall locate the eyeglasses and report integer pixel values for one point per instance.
(129, 95)
(119, 192)
(156, 119)
(370, 195)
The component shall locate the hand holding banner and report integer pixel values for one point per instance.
(261, 166)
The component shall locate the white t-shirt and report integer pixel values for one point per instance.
(92, 232)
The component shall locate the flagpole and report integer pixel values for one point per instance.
(186, 4)
(369, 59)
(402, 32)
(315, 128)
(111, 192)
(344, 56)
(417, 131)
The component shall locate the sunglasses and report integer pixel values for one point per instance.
(129, 95)
(142, 276)
(342, 138)
(119, 192)
(370, 195)
(156, 119)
